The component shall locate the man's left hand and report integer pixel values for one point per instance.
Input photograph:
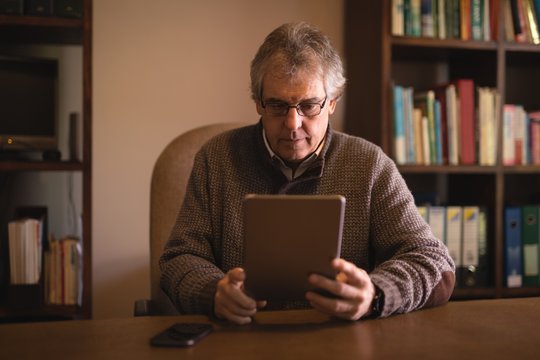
(352, 287)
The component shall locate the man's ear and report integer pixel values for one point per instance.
(332, 106)
(259, 107)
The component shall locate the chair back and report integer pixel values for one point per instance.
(169, 180)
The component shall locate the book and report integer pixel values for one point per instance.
(397, 18)
(418, 137)
(534, 134)
(408, 119)
(454, 220)
(470, 254)
(452, 125)
(521, 137)
(523, 35)
(427, 18)
(438, 132)
(509, 149)
(531, 21)
(25, 250)
(465, 19)
(465, 95)
(488, 124)
(531, 239)
(441, 19)
(477, 25)
(425, 141)
(512, 250)
(400, 151)
(482, 272)
(416, 22)
(509, 29)
(425, 101)
(64, 273)
(490, 18)
(441, 95)
(436, 221)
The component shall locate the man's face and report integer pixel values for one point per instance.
(292, 136)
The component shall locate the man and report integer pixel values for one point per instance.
(390, 261)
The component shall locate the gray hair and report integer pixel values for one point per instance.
(298, 46)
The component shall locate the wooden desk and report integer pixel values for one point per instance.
(485, 329)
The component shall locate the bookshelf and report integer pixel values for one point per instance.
(376, 59)
(76, 33)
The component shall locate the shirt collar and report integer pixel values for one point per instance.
(304, 165)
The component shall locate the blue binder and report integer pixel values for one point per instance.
(512, 253)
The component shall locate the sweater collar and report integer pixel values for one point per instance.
(315, 168)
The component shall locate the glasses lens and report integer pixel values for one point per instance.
(277, 109)
(309, 109)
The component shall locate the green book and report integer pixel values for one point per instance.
(530, 239)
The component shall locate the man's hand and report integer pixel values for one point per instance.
(352, 286)
(231, 302)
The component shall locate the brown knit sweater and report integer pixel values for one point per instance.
(383, 232)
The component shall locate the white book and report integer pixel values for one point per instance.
(508, 151)
(452, 125)
(437, 221)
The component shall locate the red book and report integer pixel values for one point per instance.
(465, 92)
(494, 19)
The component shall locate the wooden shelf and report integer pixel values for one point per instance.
(40, 29)
(446, 169)
(35, 30)
(7, 166)
(40, 21)
(376, 60)
(443, 44)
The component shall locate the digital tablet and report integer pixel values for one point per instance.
(288, 237)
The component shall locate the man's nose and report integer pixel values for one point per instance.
(293, 120)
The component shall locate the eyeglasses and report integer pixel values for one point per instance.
(281, 108)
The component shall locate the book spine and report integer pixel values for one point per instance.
(399, 130)
(530, 240)
(513, 256)
(476, 19)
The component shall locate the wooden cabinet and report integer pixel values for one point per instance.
(35, 31)
(375, 60)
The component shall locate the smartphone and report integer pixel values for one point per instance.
(181, 335)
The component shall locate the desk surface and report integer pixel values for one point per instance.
(483, 329)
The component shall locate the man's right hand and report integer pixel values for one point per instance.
(231, 302)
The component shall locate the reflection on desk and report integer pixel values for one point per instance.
(482, 329)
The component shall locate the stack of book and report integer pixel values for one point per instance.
(63, 271)
(521, 21)
(464, 231)
(521, 136)
(522, 246)
(25, 250)
(446, 125)
(446, 19)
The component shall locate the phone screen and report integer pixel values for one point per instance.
(181, 335)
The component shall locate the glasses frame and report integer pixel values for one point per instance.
(297, 107)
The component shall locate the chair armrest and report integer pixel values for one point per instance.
(143, 307)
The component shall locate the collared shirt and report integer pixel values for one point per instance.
(290, 173)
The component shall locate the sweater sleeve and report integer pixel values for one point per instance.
(188, 267)
(414, 268)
